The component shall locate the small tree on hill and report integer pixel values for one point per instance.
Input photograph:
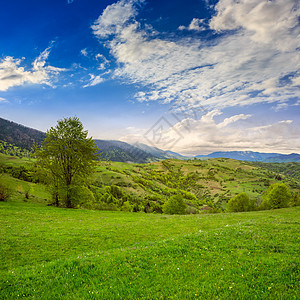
(240, 202)
(175, 205)
(276, 196)
(68, 156)
(295, 200)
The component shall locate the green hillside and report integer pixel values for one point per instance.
(55, 253)
(208, 184)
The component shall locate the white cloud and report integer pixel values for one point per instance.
(280, 106)
(94, 80)
(233, 119)
(206, 135)
(196, 25)
(84, 52)
(13, 74)
(104, 63)
(273, 22)
(114, 17)
(242, 67)
(3, 100)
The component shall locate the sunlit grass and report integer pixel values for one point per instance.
(54, 253)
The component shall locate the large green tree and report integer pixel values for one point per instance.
(68, 157)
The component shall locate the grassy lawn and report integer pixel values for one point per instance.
(55, 253)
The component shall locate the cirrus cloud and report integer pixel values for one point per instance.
(13, 74)
(247, 64)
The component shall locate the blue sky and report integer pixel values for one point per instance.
(191, 76)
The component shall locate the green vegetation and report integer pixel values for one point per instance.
(276, 196)
(56, 253)
(175, 206)
(239, 203)
(291, 169)
(20, 136)
(206, 186)
(68, 157)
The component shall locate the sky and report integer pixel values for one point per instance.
(192, 77)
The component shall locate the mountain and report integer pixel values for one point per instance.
(24, 137)
(138, 152)
(254, 156)
(122, 152)
(158, 153)
(294, 157)
(19, 135)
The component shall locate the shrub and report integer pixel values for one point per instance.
(126, 206)
(295, 200)
(240, 202)
(276, 196)
(175, 205)
(81, 196)
(5, 192)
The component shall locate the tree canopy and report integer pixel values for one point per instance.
(276, 196)
(175, 205)
(240, 202)
(68, 157)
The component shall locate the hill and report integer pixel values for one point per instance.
(122, 152)
(146, 187)
(19, 135)
(23, 137)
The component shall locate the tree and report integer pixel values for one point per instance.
(68, 156)
(175, 205)
(295, 200)
(240, 202)
(276, 196)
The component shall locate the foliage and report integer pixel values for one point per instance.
(276, 196)
(19, 135)
(5, 191)
(291, 169)
(81, 196)
(239, 203)
(68, 156)
(12, 150)
(175, 206)
(295, 200)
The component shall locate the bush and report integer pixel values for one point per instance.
(5, 192)
(175, 205)
(240, 202)
(276, 196)
(295, 200)
(126, 206)
(81, 196)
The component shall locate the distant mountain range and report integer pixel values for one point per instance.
(254, 156)
(24, 137)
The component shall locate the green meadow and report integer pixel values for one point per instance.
(55, 253)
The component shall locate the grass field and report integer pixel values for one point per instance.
(55, 253)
